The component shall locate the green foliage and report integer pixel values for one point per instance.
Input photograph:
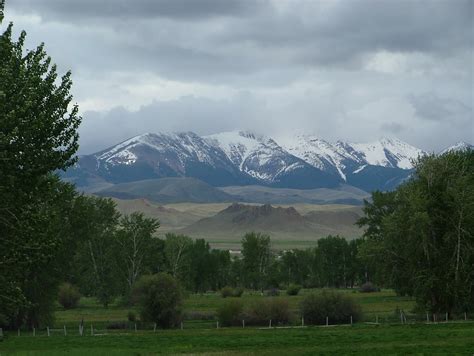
(261, 311)
(134, 247)
(227, 292)
(338, 307)
(293, 289)
(38, 135)
(159, 299)
(230, 313)
(368, 287)
(131, 317)
(96, 221)
(256, 259)
(68, 296)
(421, 237)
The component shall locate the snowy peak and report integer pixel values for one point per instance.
(242, 158)
(388, 152)
(459, 146)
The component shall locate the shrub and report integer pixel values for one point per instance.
(238, 292)
(262, 311)
(337, 307)
(68, 296)
(227, 292)
(159, 299)
(131, 316)
(293, 289)
(230, 313)
(368, 287)
(273, 292)
(117, 326)
(199, 315)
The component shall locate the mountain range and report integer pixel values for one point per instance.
(242, 158)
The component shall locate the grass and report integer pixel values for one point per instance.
(358, 340)
(382, 304)
(201, 336)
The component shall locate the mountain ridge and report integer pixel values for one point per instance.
(240, 158)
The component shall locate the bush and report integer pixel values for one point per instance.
(131, 316)
(293, 289)
(262, 311)
(337, 307)
(117, 326)
(159, 299)
(230, 313)
(238, 292)
(227, 292)
(231, 292)
(273, 292)
(368, 287)
(68, 296)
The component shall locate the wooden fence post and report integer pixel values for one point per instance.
(351, 320)
(154, 327)
(270, 324)
(302, 321)
(65, 331)
(243, 323)
(34, 331)
(327, 321)
(47, 330)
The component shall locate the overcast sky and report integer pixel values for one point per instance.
(350, 70)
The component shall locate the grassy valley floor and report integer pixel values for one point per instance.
(201, 336)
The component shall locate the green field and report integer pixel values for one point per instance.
(201, 336)
(382, 304)
(360, 339)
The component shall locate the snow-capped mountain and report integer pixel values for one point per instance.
(458, 146)
(352, 158)
(243, 158)
(263, 159)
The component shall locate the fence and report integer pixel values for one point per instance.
(100, 329)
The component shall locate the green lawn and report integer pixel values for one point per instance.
(454, 338)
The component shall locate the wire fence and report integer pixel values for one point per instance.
(106, 328)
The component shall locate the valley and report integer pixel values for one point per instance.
(223, 224)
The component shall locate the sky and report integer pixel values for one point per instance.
(352, 70)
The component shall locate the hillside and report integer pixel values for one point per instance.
(286, 226)
(167, 190)
(169, 218)
(343, 194)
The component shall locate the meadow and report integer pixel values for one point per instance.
(200, 333)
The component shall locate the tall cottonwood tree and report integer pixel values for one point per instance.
(38, 135)
(134, 247)
(422, 235)
(256, 259)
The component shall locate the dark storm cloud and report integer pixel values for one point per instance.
(348, 69)
(135, 9)
(430, 106)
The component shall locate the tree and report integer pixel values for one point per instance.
(38, 135)
(95, 220)
(159, 298)
(256, 259)
(177, 254)
(422, 235)
(134, 246)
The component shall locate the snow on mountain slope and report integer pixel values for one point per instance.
(388, 152)
(256, 155)
(183, 146)
(458, 146)
(317, 152)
